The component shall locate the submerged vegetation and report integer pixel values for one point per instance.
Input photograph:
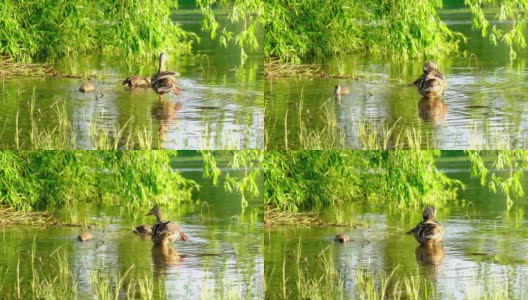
(310, 180)
(299, 30)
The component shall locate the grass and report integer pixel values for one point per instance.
(307, 128)
(10, 216)
(104, 282)
(318, 278)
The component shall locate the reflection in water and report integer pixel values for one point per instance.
(165, 256)
(165, 112)
(432, 257)
(432, 110)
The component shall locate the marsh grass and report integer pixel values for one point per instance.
(10, 217)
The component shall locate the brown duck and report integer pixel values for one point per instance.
(137, 82)
(165, 82)
(429, 231)
(164, 232)
(432, 83)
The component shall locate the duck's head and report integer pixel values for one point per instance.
(163, 61)
(430, 66)
(429, 213)
(154, 212)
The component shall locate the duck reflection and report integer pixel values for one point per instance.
(432, 110)
(165, 112)
(432, 257)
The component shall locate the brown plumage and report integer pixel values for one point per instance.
(143, 229)
(432, 83)
(340, 90)
(87, 87)
(85, 236)
(137, 81)
(429, 231)
(342, 238)
(164, 232)
(164, 81)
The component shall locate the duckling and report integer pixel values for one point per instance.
(87, 87)
(137, 81)
(432, 83)
(143, 230)
(342, 238)
(164, 81)
(165, 232)
(340, 90)
(429, 231)
(85, 236)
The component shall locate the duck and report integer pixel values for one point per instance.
(342, 238)
(143, 230)
(429, 231)
(137, 82)
(432, 83)
(165, 82)
(87, 87)
(164, 232)
(339, 91)
(85, 236)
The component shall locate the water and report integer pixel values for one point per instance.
(484, 105)
(225, 254)
(221, 104)
(485, 245)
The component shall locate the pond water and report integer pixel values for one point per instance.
(484, 106)
(221, 104)
(485, 246)
(223, 257)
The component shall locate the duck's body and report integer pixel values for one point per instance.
(87, 87)
(432, 83)
(143, 230)
(429, 231)
(85, 236)
(165, 82)
(339, 91)
(164, 232)
(342, 238)
(137, 82)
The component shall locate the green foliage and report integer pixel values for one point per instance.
(248, 13)
(49, 28)
(300, 29)
(47, 179)
(508, 166)
(308, 180)
(250, 161)
(513, 11)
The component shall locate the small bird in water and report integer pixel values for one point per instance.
(342, 238)
(85, 236)
(143, 230)
(137, 82)
(164, 81)
(87, 87)
(429, 231)
(432, 83)
(339, 91)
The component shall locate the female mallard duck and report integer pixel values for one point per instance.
(342, 238)
(429, 231)
(137, 81)
(165, 232)
(143, 230)
(165, 82)
(432, 83)
(340, 90)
